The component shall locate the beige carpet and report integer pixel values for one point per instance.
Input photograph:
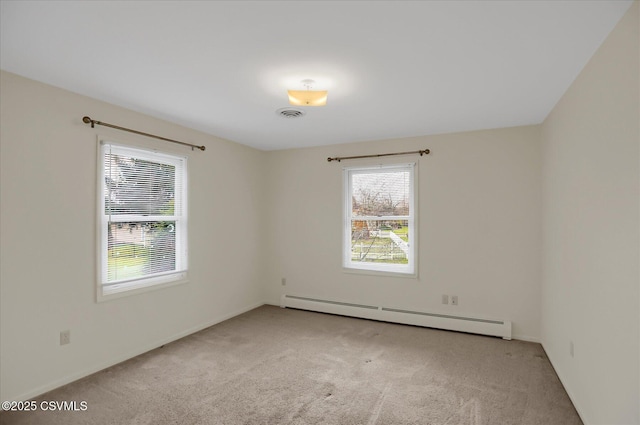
(282, 366)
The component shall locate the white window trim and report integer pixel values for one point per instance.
(145, 284)
(349, 266)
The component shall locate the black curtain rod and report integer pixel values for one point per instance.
(340, 158)
(88, 120)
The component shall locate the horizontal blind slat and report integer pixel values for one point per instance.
(143, 209)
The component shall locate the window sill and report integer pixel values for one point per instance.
(125, 290)
(371, 272)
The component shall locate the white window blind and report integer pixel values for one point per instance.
(143, 218)
(379, 225)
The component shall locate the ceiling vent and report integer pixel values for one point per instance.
(290, 113)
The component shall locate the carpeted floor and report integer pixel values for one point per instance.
(283, 366)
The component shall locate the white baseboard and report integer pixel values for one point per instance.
(566, 388)
(129, 355)
(385, 313)
(527, 338)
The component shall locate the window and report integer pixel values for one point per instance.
(143, 219)
(379, 219)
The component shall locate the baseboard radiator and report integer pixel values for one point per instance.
(476, 325)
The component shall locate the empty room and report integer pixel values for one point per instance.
(320, 212)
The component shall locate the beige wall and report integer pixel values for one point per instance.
(48, 252)
(591, 229)
(479, 226)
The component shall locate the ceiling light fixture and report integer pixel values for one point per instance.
(307, 97)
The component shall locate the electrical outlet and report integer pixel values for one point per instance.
(284, 281)
(65, 337)
(454, 300)
(571, 348)
(445, 299)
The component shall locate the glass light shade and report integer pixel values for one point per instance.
(307, 97)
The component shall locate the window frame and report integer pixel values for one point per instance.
(410, 270)
(126, 287)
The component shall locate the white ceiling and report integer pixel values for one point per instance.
(393, 68)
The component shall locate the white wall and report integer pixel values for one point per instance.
(48, 260)
(479, 226)
(591, 232)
